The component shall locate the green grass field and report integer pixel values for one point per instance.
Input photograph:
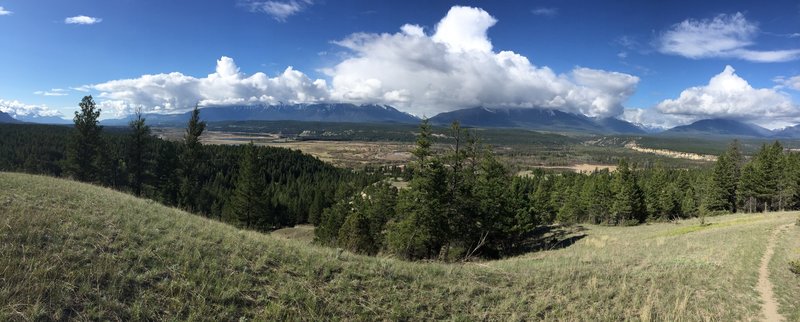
(70, 250)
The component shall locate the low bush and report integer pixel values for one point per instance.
(794, 266)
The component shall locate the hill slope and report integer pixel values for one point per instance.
(74, 251)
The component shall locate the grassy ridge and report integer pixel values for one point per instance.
(71, 250)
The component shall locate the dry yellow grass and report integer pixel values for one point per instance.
(73, 251)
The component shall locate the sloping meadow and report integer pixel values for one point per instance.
(70, 250)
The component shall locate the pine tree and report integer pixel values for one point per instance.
(628, 206)
(540, 205)
(249, 206)
(192, 168)
(424, 143)
(494, 215)
(749, 183)
(139, 153)
(85, 152)
(656, 192)
(597, 197)
(725, 180)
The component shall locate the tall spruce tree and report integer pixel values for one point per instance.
(424, 142)
(249, 204)
(85, 152)
(628, 206)
(725, 180)
(749, 183)
(192, 168)
(139, 153)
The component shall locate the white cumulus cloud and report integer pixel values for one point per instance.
(727, 95)
(790, 82)
(724, 36)
(176, 92)
(82, 20)
(456, 67)
(18, 109)
(4, 12)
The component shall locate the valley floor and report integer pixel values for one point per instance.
(74, 251)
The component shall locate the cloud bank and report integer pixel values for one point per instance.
(18, 109)
(724, 36)
(456, 67)
(4, 12)
(176, 92)
(82, 20)
(728, 96)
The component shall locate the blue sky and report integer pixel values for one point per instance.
(646, 61)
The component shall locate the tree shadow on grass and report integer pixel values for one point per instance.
(551, 237)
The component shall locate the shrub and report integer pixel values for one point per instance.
(794, 266)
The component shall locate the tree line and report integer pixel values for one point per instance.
(462, 202)
(260, 188)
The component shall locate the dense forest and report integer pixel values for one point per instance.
(461, 201)
(464, 203)
(291, 187)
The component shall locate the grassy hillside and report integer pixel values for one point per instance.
(70, 250)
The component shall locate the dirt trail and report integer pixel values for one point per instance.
(764, 287)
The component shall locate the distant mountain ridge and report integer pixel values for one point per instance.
(6, 118)
(792, 132)
(526, 118)
(339, 112)
(720, 127)
(535, 119)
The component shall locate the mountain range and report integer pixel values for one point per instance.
(341, 112)
(720, 127)
(539, 119)
(535, 119)
(5, 118)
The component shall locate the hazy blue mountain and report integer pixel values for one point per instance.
(792, 132)
(719, 127)
(43, 119)
(534, 119)
(339, 112)
(616, 125)
(5, 118)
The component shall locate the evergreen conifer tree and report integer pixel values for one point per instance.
(249, 206)
(139, 153)
(85, 153)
